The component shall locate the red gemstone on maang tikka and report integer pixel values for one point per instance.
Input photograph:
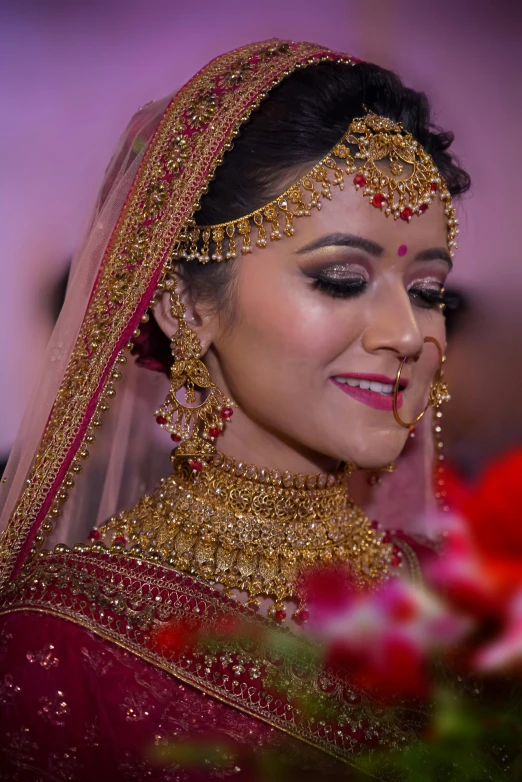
(406, 213)
(280, 615)
(160, 419)
(378, 200)
(226, 412)
(359, 180)
(120, 539)
(423, 208)
(301, 615)
(434, 187)
(94, 534)
(196, 465)
(175, 438)
(214, 431)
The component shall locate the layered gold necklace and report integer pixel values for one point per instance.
(251, 529)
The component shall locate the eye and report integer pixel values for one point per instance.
(427, 296)
(340, 289)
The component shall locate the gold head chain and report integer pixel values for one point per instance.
(408, 192)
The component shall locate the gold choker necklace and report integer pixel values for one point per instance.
(251, 529)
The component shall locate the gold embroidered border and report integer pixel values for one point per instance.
(206, 115)
(178, 674)
(123, 599)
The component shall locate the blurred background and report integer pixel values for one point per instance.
(74, 73)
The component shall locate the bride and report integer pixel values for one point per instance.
(274, 239)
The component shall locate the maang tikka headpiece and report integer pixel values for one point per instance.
(371, 141)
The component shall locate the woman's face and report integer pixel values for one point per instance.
(318, 317)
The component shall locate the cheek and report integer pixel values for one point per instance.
(287, 321)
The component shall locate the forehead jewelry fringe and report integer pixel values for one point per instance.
(372, 146)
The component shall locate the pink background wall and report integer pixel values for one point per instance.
(74, 72)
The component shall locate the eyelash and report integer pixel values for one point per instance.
(340, 289)
(427, 298)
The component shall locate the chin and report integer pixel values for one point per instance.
(376, 450)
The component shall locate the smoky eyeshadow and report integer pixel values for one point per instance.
(427, 283)
(337, 272)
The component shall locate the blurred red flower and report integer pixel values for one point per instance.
(480, 568)
(494, 515)
(392, 669)
(327, 589)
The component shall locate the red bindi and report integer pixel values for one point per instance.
(402, 250)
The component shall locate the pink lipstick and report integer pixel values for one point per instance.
(373, 390)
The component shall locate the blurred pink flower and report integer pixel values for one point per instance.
(459, 575)
(505, 652)
(383, 639)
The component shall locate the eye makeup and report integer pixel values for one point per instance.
(342, 271)
(427, 292)
(340, 289)
(347, 278)
(339, 280)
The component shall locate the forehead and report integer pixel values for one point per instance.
(349, 212)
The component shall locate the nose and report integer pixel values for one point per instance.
(392, 325)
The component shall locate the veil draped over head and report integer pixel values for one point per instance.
(68, 472)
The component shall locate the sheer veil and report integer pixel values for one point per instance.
(85, 268)
(68, 473)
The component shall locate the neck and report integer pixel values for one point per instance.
(249, 441)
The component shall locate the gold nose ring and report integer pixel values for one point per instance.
(438, 389)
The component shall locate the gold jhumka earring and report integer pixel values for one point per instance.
(438, 390)
(194, 427)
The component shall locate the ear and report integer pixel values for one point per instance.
(198, 317)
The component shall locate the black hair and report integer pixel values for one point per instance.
(300, 121)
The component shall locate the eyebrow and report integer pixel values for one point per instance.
(435, 254)
(370, 247)
(343, 240)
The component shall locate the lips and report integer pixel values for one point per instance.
(373, 390)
